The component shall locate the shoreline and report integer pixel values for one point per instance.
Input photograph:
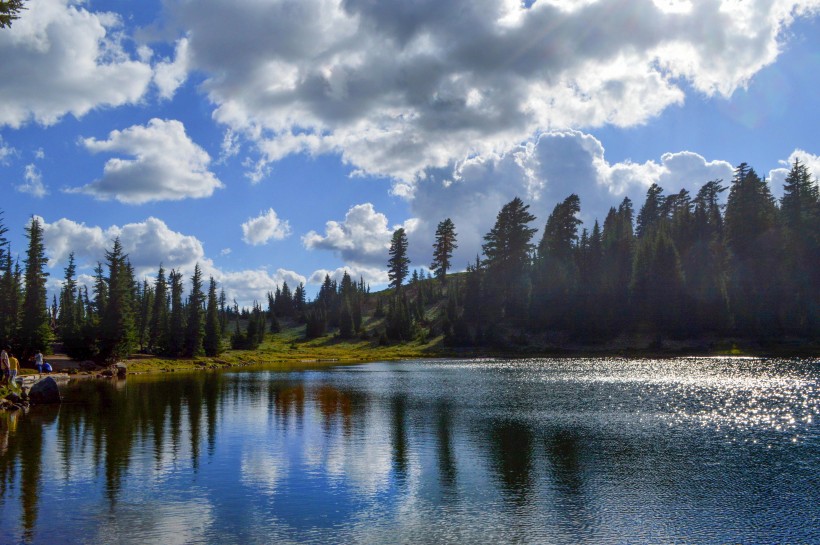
(331, 351)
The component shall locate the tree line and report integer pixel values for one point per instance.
(683, 267)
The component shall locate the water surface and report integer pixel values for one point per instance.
(695, 450)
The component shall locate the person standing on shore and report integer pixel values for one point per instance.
(38, 362)
(14, 368)
(4, 364)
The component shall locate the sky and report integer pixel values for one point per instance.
(276, 141)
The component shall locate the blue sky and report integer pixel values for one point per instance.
(279, 140)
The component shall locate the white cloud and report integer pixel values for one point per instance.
(33, 184)
(225, 251)
(169, 75)
(266, 226)
(62, 59)
(363, 238)
(253, 285)
(230, 146)
(149, 244)
(39, 153)
(166, 166)
(6, 151)
(398, 89)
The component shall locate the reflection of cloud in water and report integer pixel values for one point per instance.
(362, 458)
(263, 470)
(168, 523)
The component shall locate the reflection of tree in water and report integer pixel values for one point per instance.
(25, 450)
(564, 452)
(510, 450)
(333, 402)
(398, 413)
(286, 401)
(446, 456)
(112, 421)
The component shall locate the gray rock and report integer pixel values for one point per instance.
(121, 369)
(14, 398)
(45, 391)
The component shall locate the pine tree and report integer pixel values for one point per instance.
(100, 291)
(800, 218)
(213, 341)
(346, 328)
(146, 303)
(754, 245)
(657, 282)
(507, 249)
(117, 333)
(704, 263)
(34, 333)
(195, 327)
(398, 264)
(175, 334)
(68, 324)
(10, 11)
(159, 315)
(443, 248)
(315, 322)
(273, 299)
(556, 272)
(652, 210)
(617, 257)
(11, 292)
(299, 301)
(399, 321)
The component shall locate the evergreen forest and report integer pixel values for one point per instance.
(728, 262)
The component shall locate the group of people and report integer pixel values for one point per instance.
(10, 366)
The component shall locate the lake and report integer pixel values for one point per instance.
(564, 451)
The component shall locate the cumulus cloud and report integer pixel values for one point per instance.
(266, 226)
(166, 165)
(62, 59)
(543, 172)
(400, 88)
(149, 244)
(33, 184)
(363, 238)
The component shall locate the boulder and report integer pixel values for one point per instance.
(120, 369)
(45, 391)
(14, 398)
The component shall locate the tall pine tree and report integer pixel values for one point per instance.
(443, 248)
(398, 264)
(195, 327)
(212, 342)
(34, 333)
